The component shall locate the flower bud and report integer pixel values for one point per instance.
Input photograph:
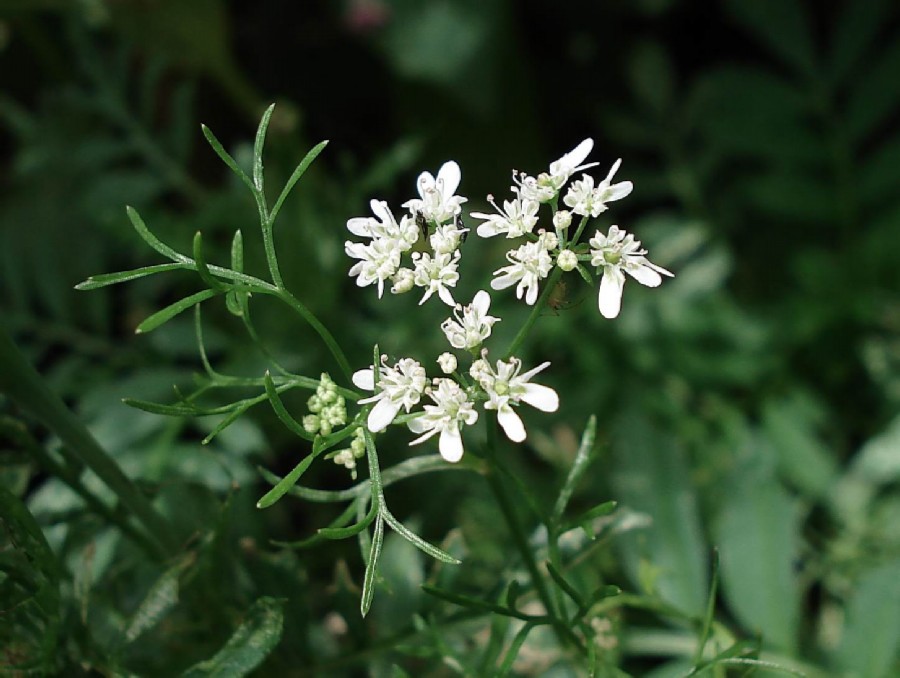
(562, 219)
(447, 362)
(403, 281)
(567, 260)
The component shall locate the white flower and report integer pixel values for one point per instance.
(566, 166)
(404, 234)
(447, 363)
(452, 410)
(436, 274)
(437, 202)
(583, 199)
(616, 252)
(505, 387)
(540, 189)
(607, 191)
(447, 238)
(567, 260)
(528, 265)
(379, 260)
(517, 217)
(473, 327)
(398, 386)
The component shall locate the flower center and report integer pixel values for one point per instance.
(612, 257)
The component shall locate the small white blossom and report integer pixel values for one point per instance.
(549, 239)
(451, 411)
(562, 219)
(403, 235)
(437, 202)
(398, 386)
(608, 191)
(447, 363)
(517, 218)
(505, 387)
(616, 252)
(480, 369)
(379, 260)
(436, 274)
(534, 189)
(571, 162)
(583, 199)
(528, 265)
(567, 260)
(471, 328)
(447, 238)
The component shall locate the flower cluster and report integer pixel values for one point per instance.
(327, 407)
(443, 406)
(434, 214)
(612, 255)
(454, 399)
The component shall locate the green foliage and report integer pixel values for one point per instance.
(749, 409)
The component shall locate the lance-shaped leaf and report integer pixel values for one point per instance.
(250, 644)
(163, 316)
(225, 156)
(151, 239)
(104, 279)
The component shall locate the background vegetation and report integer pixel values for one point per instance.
(749, 405)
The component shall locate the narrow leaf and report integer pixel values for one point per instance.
(566, 587)
(467, 601)
(202, 267)
(250, 644)
(104, 279)
(226, 157)
(165, 315)
(228, 420)
(335, 533)
(368, 592)
(583, 459)
(513, 651)
(275, 400)
(417, 541)
(288, 481)
(295, 177)
(151, 239)
(161, 598)
(710, 609)
(237, 252)
(258, 148)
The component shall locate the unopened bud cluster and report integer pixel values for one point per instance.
(327, 407)
(347, 456)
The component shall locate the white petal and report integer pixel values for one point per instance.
(645, 275)
(613, 170)
(450, 444)
(532, 294)
(450, 174)
(417, 425)
(382, 414)
(659, 269)
(380, 210)
(359, 226)
(424, 182)
(618, 191)
(577, 155)
(445, 296)
(481, 303)
(525, 376)
(541, 397)
(610, 298)
(504, 281)
(512, 424)
(364, 379)
(489, 229)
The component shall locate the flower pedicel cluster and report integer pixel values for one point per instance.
(436, 214)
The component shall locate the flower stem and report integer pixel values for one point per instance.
(506, 504)
(535, 312)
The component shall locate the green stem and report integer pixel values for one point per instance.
(24, 385)
(319, 328)
(535, 312)
(501, 494)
